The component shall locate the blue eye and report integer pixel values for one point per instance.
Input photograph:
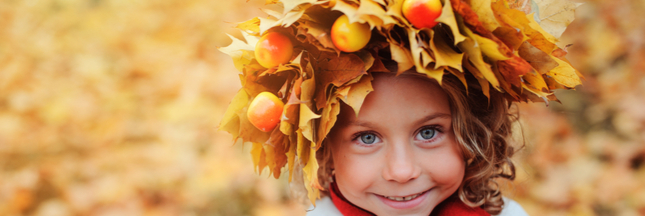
(368, 138)
(427, 134)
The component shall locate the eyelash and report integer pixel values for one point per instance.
(437, 128)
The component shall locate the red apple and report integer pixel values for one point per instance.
(265, 111)
(422, 13)
(273, 49)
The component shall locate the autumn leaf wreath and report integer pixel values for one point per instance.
(299, 64)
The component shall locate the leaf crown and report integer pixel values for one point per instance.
(509, 45)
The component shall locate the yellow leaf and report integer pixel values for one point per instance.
(475, 57)
(358, 92)
(565, 74)
(256, 152)
(252, 25)
(308, 88)
(274, 14)
(291, 157)
(417, 47)
(306, 122)
(370, 10)
(534, 83)
(267, 23)
(461, 75)
(289, 5)
(311, 177)
(231, 120)
(485, 13)
(436, 74)
(302, 150)
(525, 23)
(291, 18)
(448, 17)
(395, 10)
(402, 56)
(269, 151)
(426, 58)
(250, 133)
(328, 119)
(555, 15)
(347, 9)
(535, 26)
(444, 54)
(381, 2)
(487, 46)
(241, 52)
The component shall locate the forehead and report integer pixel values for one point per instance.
(403, 97)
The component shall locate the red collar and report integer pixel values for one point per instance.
(449, 207)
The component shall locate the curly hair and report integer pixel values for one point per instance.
(482, 126)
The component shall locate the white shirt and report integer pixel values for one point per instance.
(325, 207)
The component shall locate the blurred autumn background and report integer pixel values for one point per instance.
(111, 107)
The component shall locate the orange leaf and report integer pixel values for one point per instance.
(512, 69)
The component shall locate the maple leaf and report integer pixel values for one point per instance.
(534, 82)
(328, 118)
(479, 68)
(241, 51)
(311, 177)
(417, 50)
(555, 15)
(512, 37)
(444, 54)
(485, 14)
(401, 55)
(539, 60)
(564, 74)
(448, 17)
(525, 23)
(357, 93)
(231, 120)
(252, 26)
(374, 14)
(513, 68)
(332, 70)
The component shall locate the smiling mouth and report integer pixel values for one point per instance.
(405, 198)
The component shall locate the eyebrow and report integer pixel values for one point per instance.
(420, 121)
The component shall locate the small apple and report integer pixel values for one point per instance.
(422, 13)
(273, 49)
(265, 111)
(350, 37)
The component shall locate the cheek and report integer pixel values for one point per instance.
(354, 173)
(448, 168)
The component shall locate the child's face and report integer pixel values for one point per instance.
(400, 146)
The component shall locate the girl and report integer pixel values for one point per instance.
(388, 115)
(416, 144)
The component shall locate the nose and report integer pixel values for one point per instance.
(401, 164)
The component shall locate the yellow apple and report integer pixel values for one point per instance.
(350, 37)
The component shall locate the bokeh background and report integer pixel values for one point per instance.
(111, 107)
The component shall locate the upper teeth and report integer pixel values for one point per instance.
(402, 198)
